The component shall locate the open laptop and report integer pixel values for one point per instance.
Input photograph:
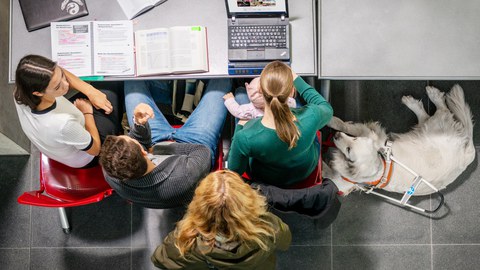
(258, 30)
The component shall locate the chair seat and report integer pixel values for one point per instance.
(63, 186)
(71, 184)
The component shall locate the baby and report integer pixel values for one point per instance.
(256, 106)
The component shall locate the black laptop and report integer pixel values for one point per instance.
(39, 13)
(258, 30)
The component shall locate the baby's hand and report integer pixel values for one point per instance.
(142, 113)
(228, 96)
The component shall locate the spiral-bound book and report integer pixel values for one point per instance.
(39, 14)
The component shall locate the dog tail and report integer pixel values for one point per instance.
(460, 109)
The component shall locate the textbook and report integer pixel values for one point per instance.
(98, 48)
(179, 49)
(111, 48)
(134, 8)
(38, 14)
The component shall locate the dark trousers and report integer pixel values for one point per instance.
(107, 124)
(317, 202)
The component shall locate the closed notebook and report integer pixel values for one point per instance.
(39, 13)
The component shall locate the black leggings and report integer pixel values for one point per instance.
(107, 124)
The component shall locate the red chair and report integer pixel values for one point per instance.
(62, 186)
(219, 160)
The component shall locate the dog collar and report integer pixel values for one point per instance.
(383, 181)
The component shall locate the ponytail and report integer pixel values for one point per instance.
(285, 127)
(276, 83)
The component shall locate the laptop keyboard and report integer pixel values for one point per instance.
(274, 36)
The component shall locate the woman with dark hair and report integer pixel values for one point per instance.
(68, 133)
(227, 226)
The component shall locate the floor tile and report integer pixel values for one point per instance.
(382, 257)
(14, 217)
(461, 223)
(106, 223)
(376, 101)
(305, 258)
(15, 259)
(151, 226)
(465, 257)
(367, 219)
(8, 147)
(80, 258)
(141, 258)
(305, 231)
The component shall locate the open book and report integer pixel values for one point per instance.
(108, 48)
(94, 47)
(133, 8)
(180, 49)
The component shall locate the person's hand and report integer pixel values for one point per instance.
(142, 113)
(99, 100)
(228, 96)
(83, 105)
(294, 75)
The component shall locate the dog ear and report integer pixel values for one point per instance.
(377, 140)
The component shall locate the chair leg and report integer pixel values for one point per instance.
(64, 220)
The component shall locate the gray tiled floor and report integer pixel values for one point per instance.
(367, 234)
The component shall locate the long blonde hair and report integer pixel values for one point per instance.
(224, 205)
(276, 84)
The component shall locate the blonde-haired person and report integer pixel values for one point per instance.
(281, 148)
(226, 226)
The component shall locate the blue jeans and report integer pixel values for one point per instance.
(205, 124)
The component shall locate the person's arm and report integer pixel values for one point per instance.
(238, 157)
(86, 108)
(97, 98)
(242, 112)
(167, 255)
(141, 128)
(314, 99)
(283, 237)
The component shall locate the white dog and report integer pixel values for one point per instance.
(439, 148)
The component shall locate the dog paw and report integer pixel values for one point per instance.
(434, 94)
(336, 123)
(408, 100)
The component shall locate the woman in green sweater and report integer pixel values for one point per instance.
(281, 148)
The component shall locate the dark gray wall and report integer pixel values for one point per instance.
(9, 124)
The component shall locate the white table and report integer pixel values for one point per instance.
(211, 13)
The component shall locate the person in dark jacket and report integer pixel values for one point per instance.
(156, 165)
(226, 226)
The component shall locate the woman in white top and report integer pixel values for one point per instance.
(61, 130)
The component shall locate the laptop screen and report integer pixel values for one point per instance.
(256, 7)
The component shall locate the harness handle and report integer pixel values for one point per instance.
(442, 201)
